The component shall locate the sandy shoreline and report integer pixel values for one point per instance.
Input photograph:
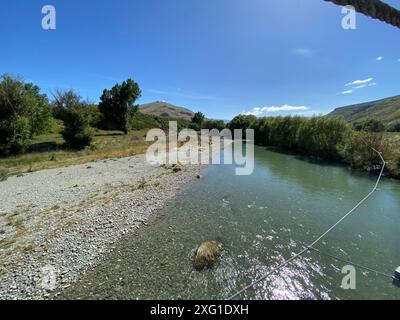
(62, 221)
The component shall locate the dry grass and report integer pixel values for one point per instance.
(107, 144)
(3, 174)
(394, 137)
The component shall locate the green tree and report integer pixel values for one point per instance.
(242, 122)
(24, 113)
(261, 130)
(370, 125)
(117, 105)
(214, 124)
(394, 127)
(76, 115)
(283, 132)
(323, 137)
(319, 136)
(198, 119)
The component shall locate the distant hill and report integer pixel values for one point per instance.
(386, 110)
(166, 110)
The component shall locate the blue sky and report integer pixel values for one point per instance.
(221, 57)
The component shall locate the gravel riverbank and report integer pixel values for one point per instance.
(56, 224)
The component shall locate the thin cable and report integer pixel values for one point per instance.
(309, 247)
(353, 264)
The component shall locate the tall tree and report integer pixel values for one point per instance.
(75, 114)
(198, 119)
(24, 112)
(117, 104)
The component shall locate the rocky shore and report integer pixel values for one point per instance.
(56, 224)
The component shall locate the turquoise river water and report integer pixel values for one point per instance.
(262, 220)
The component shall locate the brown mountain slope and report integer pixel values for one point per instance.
(167, 110)
(386, 110)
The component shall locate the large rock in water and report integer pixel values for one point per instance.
(207, 254)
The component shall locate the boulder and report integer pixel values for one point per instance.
(207, 254)
(176, 168)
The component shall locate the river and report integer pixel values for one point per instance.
(262, 220)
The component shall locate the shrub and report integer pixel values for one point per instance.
(243, 122)
(24, 112)
(78, 137)
(3, 174)
(214, 124)
(75, 114)
(182, 124)
(140, 121)
(194, 126)
(394, 166)
(319, 136)
(370, 125)
(358, 150)
(95, 115)
(394, 127)
(323, 137)
(283, 132)
(117, 105)
(20, 135)
(262, 130)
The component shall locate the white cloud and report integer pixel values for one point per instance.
(355, 82)
(347, 91)
(380, 58)
(286, 108)
(360, 86)
(366, 85)
(265, 110)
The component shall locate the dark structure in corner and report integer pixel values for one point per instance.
(373, 8)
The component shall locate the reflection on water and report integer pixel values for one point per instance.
(262, 220)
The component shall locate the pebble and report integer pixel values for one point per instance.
(75, 248)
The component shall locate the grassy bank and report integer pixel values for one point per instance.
(48, 151)
(326, 139)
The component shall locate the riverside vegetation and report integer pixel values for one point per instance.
(36, 133)
(329, 138)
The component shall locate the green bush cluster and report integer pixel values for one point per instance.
(395, 127)
(24, 112)
(214, 124)
(358, 152)
(318, 136)
(328, 138)
(370, 125)
(76, 115)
